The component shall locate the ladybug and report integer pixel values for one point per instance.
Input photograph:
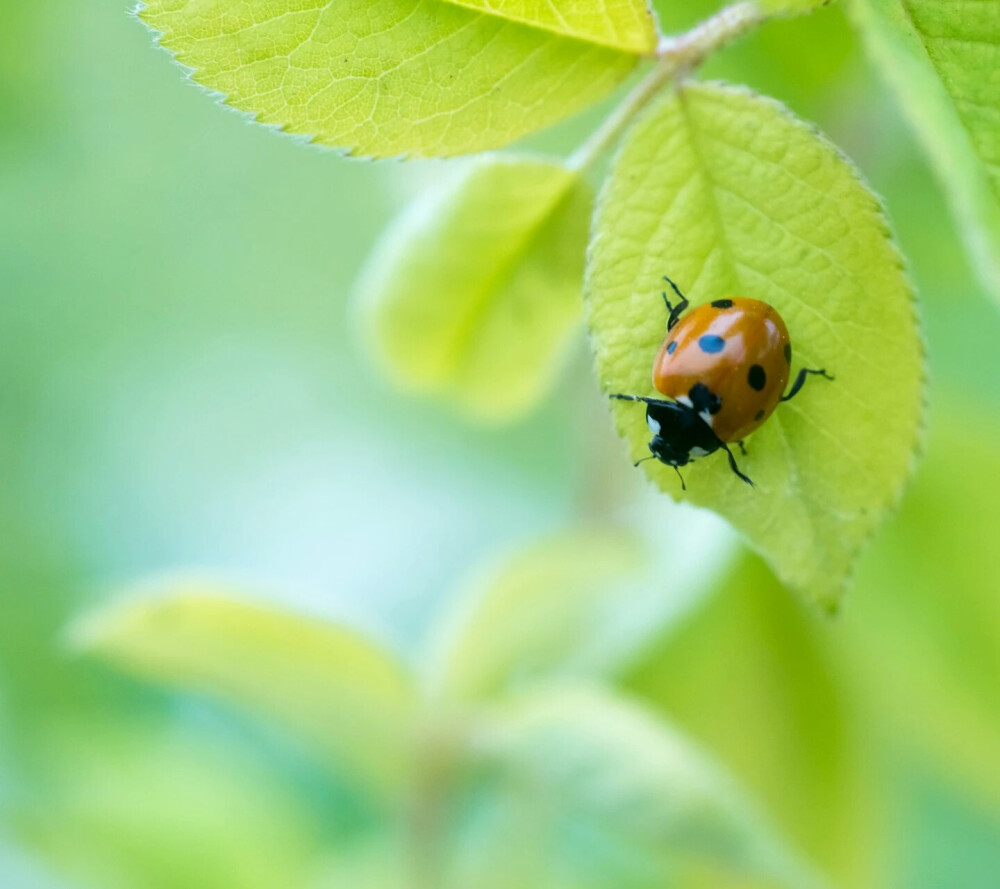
(723, 369)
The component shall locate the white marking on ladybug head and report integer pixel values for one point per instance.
(708, 418)
(653, 425)
(698, 452)
(683, 399)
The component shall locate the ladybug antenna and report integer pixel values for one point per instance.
(681, 477)
(674, 312)
(675, 288)
(654, 457)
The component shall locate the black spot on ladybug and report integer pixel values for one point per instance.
(704, 399)
(756, 377)
(672, 348)
(759, 416)
(711, 343)
(722, 304)
(788, 353)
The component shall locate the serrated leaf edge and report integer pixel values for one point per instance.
(831, 604)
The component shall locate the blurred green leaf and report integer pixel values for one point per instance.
(925, 618)
(327, 683)
(601, 763)
(942, 59)
(421, 79)
(758, 681)
(729, 194)
(473, 295)
(584, 603)
(124, 808)
(378, 863)
(538, 612)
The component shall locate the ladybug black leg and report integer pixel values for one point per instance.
(800, 381)
(674, 311)
(643, 399)
(734, 467)
(743, 450)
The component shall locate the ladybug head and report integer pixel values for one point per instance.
(681, 431)
(679, 434)
(667, 452)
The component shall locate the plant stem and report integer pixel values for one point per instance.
(691, 49)
(675, 58)
(617, 122)
(437, 752)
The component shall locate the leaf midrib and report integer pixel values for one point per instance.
(794, 469)
(540, 26)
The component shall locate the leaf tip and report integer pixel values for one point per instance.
(96, 628)
(110, 624)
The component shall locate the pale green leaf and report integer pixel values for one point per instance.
(531, 614)
(419, 78)
(752, 676)
(730, 195)
(943, 60)
(123, 807)
(926, 623)
(625, 778)
(474, 294)
(333, 687)
(580, 604)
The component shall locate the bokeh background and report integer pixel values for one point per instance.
(181, 389)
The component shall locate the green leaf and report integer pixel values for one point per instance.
(730, 195)
(942, 59)
(336, 689)
(537, 612)
(926, 623)
(420, 78)
(627, 780)
(755, 679)
(128, 806)
(473, 295)
(583, 603)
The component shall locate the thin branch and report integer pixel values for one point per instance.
(676, 57)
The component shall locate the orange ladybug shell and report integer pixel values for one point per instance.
(737, 348)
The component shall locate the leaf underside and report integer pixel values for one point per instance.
(755, 648)
(474, 294)
(729, 194)
(538, 613)
(599, 761)
(329, 685)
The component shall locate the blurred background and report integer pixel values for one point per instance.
(181, 389)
